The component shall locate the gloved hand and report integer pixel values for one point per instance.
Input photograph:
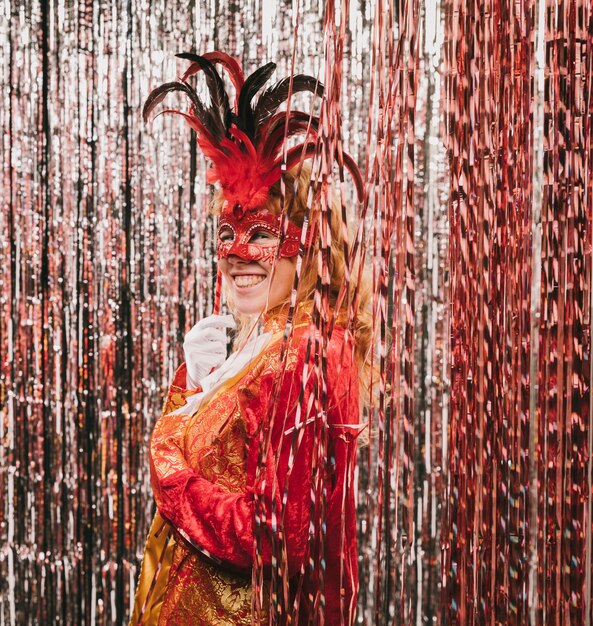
(205, 347)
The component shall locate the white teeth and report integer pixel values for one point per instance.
(249, 280)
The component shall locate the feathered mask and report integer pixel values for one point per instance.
(244, 143)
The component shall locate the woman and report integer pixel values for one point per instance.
(251, 449)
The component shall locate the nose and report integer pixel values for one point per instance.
(234, 259)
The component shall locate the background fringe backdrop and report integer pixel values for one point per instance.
(472, 122)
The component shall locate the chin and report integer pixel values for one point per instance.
(252, 309)
(248, 311)
(248, 306)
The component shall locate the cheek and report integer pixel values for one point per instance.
(284, 276)
(223, 266)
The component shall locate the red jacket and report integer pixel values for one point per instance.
(275, 394)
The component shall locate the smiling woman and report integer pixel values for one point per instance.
(246, 252)
(252, 466)
(255, 286)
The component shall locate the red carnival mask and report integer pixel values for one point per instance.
(243, 225)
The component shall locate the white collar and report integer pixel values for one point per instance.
(236, 362)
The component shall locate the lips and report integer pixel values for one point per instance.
(248, 280)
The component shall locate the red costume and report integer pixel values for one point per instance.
(223, 512)
(203, 469)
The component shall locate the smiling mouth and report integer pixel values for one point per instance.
(248, 280)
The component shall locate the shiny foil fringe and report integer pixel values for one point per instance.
(472, 122)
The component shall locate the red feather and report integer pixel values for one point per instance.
(246, 168)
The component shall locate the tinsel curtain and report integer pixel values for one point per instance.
(472, 123)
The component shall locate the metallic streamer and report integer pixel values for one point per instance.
(473, 123)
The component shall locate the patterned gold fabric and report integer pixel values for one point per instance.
(154, 573)
(200, 593)
(191, 588)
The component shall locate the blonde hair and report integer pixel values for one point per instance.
(358, 319)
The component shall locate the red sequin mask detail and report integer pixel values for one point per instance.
(237, 229)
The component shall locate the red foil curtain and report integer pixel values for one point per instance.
(472, 124)
(490, 94)
(517, 527)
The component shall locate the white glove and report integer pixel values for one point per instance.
(205, 347)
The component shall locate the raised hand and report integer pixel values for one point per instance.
(205, 347)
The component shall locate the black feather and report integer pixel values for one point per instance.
(274, 96)
(295, 116)
(220, 101)
(278, 130)
(157, 95)
(252, 85)
(232, 119)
